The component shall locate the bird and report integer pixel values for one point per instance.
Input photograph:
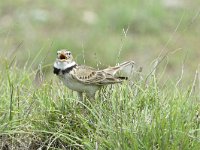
(85, 79)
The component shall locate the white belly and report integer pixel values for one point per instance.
(78, 86)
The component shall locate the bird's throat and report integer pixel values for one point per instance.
(63, 67)
(64, 64)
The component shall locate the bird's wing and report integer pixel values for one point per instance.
(89, 75)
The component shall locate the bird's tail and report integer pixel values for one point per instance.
(115, 69)
(123, 78)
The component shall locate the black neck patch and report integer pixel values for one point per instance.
(67, 70)
(56, 70)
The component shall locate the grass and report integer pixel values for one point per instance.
(139, 116)
(37, 111)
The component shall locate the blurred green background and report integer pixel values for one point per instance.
(97, 31)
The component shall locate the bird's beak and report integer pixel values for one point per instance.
(62, 57)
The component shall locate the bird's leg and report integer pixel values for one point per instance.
(80, 96)
(90, 96)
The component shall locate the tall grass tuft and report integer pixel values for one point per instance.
(139, 116)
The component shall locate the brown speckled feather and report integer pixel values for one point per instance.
(89, 75)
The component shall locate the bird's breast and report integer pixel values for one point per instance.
(75, 85)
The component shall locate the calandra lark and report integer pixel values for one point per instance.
(84, 79)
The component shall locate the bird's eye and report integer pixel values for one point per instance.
(58, 52)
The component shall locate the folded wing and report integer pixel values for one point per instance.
(89, 75)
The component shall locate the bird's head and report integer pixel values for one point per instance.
(64, 55)
(64, 60)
